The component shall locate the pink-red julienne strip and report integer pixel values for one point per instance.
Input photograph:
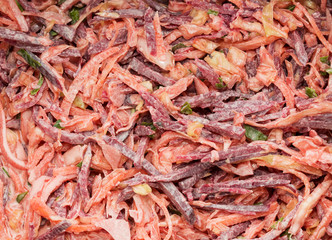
(174, 120)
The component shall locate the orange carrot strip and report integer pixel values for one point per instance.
(319, 108)
(65, 171)
(19, 18)
(161, 49)
(109, 182)
(286, 91)
(83, 75)
(304, 179)
(177, 88)
(129, 79)
(308, 204)
(132, 33)
(314, 26)
(250, 44)
(161, 204)
(16, 180)
(76, 228)
(232, 219)
(43, 210)
(321, 228)
(5, 150)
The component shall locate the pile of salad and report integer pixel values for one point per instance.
(179, 119)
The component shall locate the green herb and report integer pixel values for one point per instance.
(151, 136)
(274, 225)
(289, 235)
(53, 33)
(186, 109)
(20, 197)
(57, 124)
(178, 46)
(74, 14)
(258, 204)
(18, 116)
(29, 184)
(311, 93)
(173, 210)
(222, 51)
(324, 74)
(149, 124)
(213, 12)
(325, 60)
(32, 62)
(221, 84)
(329, 70)
(61, 1)
(254, 134)
(40, 82)
(291, 8)
(6, 172)
(34, 91)
(79, 164)
(19, 6)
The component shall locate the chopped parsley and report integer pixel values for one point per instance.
(286, 233)
(40, 82)
(173, 210)
(61, 1)
(324, 74)
(21, 196)
(213, 12)
(186, 109)
(74, 14)
(291, 8)
(275, 224)
(311, 93)
(57, 124)
(27, 57)
(254, 134)
(178, 46)
(6, 172)
(325, 59)
(53, 33)
(149, 124)
(19, 6)
(329, 70)
(221, 84)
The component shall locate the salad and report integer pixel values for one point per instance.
(179, 119)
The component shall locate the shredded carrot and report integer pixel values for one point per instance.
(132, 120)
